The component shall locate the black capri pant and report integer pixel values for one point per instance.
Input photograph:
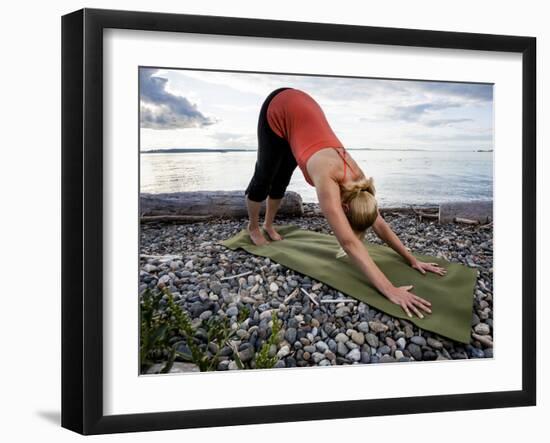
(275, 162)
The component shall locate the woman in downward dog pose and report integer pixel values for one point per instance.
(293, 131)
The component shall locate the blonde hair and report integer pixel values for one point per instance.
(362, 207)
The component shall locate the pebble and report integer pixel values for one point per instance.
(372, 340)
(290, 335)
(415, 351)
(433, 343)
(341, 338)
(377, 327)
(387, 359)
(482, 329)
(358, 337)
(354, 355)
(341, 349)
(283, 352)
(418, 340)
(232, 311)
(365, 357)
(322, 346)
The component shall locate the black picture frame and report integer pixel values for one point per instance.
(82, 218)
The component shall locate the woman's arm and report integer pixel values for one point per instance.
(328, 193)
(385, 233)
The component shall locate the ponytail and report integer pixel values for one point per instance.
(363, 207)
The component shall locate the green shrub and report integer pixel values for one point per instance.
(160, 325)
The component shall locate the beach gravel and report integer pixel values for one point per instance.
(208, 279)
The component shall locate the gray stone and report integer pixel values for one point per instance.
(358, 337)
(317, 357)
(321, 346)
(290, 335)
(418, 340)
(433, 343)
(247, 354)
(341, 338)
(482, 329)
(341, 349)
(415, 351)
(283, 352)
(232, 311)
(377, 326)
(372, 340)
(354, 355)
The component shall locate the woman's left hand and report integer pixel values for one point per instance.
(422, 267)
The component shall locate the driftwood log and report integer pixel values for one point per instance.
(466, 212)
(203, 205)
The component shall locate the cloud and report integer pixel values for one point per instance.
(446, 121)
(472, 92)
(160, 109)
(412, 113)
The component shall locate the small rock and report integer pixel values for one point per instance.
(415, 351)
(358, 337)
(290, 335)
(321, 346)
(377, 326)
(247, 354)
(372, 340)
(418, 340)
(341, 349)
(341, 338)
(354, 355)
(433, 343)
(232, 311)
(387, 359)
(317, 357)
(482, 329)
(283, 352)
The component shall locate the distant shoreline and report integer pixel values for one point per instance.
(194, 150)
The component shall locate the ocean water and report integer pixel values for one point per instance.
(401, 177)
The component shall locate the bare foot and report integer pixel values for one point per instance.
(273, 234)
(256, 236)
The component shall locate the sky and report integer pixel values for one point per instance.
(182, 108)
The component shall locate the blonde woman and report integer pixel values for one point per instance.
(293, 131)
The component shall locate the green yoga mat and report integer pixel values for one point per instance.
(314, 254)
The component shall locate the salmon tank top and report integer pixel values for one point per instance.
(295, 116)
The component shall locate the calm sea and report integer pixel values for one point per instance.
(401, 177)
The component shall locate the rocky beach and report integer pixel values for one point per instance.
(208, 280)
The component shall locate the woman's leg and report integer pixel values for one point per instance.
(277, 192)
(253, 226)
(272, 206)
(270, 155)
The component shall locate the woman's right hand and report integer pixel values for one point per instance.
(408, 301)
